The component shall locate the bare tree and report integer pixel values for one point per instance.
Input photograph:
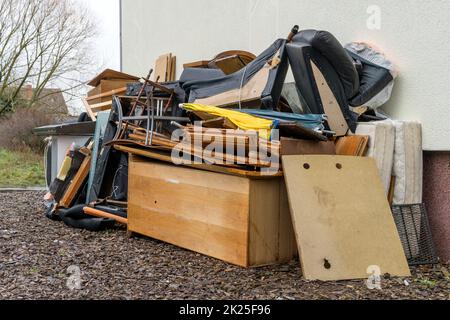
(42, 43)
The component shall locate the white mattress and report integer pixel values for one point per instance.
(380, 147)
(408, 163)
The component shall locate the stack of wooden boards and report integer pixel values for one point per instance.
(165, 68)
(106, 85)
(110, 83)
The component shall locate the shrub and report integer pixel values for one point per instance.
(16, 130)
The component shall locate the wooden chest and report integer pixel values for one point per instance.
(236, 219)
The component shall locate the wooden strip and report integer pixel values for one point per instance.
(101, 214)
(88, 109)
(102, 106)
(174, 69)
(107, 94)
(76, 183)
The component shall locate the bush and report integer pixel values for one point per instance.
(16, 130)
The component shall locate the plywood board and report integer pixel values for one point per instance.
(162, 65)
(76, 184)
(331, 107)
(352, 146)
(342, 219)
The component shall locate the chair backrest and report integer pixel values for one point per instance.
(326, 77)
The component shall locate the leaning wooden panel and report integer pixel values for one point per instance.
(342, 220)
(197, 210)
(76, 183)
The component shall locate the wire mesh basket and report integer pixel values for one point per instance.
(415, 233)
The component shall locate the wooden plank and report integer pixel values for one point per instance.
(161, 68)
(352, 145)
(107, 94)
(76, 184)
(209, 216)
(342, 219)
(331, 107)
(103, 106)
(88, 109)
(174, 69)
(101, 214)
(106, 86)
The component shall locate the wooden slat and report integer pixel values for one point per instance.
(101, 106)
(101, 214)
(88, 109)
(76, 183)
(107, 94)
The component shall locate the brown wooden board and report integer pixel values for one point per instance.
(162, 66)
(76, 184)
(342, 219)
(352, 146)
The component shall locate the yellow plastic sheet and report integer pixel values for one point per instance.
(242, 120)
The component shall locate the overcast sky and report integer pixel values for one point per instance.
(106, 13)
(106, 46)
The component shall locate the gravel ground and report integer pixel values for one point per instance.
(36, 253)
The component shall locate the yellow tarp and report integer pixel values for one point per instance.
(242, 120)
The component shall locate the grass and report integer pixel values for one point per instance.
(18, 169)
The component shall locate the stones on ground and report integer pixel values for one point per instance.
(36, 254)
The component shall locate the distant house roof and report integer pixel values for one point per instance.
(51, 100)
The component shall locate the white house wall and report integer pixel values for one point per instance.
(413, 33)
